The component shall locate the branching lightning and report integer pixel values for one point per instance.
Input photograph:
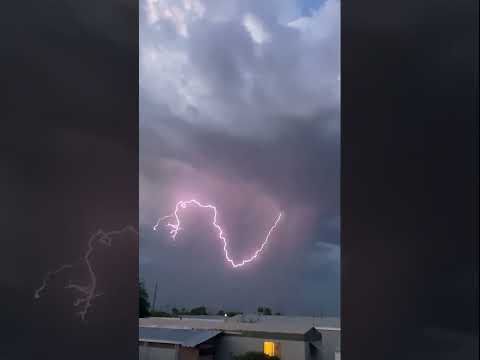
(175, 228)
(87, 292)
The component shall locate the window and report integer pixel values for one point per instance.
(271, 349)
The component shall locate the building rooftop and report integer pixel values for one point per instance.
(183, 337)
(254, 323)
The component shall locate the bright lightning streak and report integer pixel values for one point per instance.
(175, 228)
(89, 291)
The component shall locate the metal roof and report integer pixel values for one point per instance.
(273, 324)
(183, 337)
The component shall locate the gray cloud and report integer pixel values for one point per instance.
(239, 106)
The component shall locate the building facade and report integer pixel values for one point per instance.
(216, 338)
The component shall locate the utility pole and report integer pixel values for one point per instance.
(154, 297)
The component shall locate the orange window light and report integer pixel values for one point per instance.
(269, 348)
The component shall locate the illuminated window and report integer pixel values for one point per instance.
(270, 348)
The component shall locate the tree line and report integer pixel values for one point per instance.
(146, 311)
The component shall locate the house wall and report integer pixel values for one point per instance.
(330, 344)
(230, 345)
(313, 352)
(188, 354)
(156, 352)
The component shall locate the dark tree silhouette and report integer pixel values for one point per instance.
(157, 313)
(264, 310)
(201, 310)
(255, 356)
(144, 304)
(228, 313)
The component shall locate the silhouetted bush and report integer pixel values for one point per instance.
(252, 355)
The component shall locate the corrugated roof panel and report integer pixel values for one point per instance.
(183, 337)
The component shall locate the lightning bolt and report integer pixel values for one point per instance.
(175, 228)
(87, 292)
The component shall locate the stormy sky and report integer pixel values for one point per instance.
(240, 107)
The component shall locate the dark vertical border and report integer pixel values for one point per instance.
(409, 180)
(69, 151)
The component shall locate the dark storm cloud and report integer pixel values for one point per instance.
(294, 168)
(239, 106)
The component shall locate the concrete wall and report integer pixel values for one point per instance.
(155, 352)
(230, 345)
